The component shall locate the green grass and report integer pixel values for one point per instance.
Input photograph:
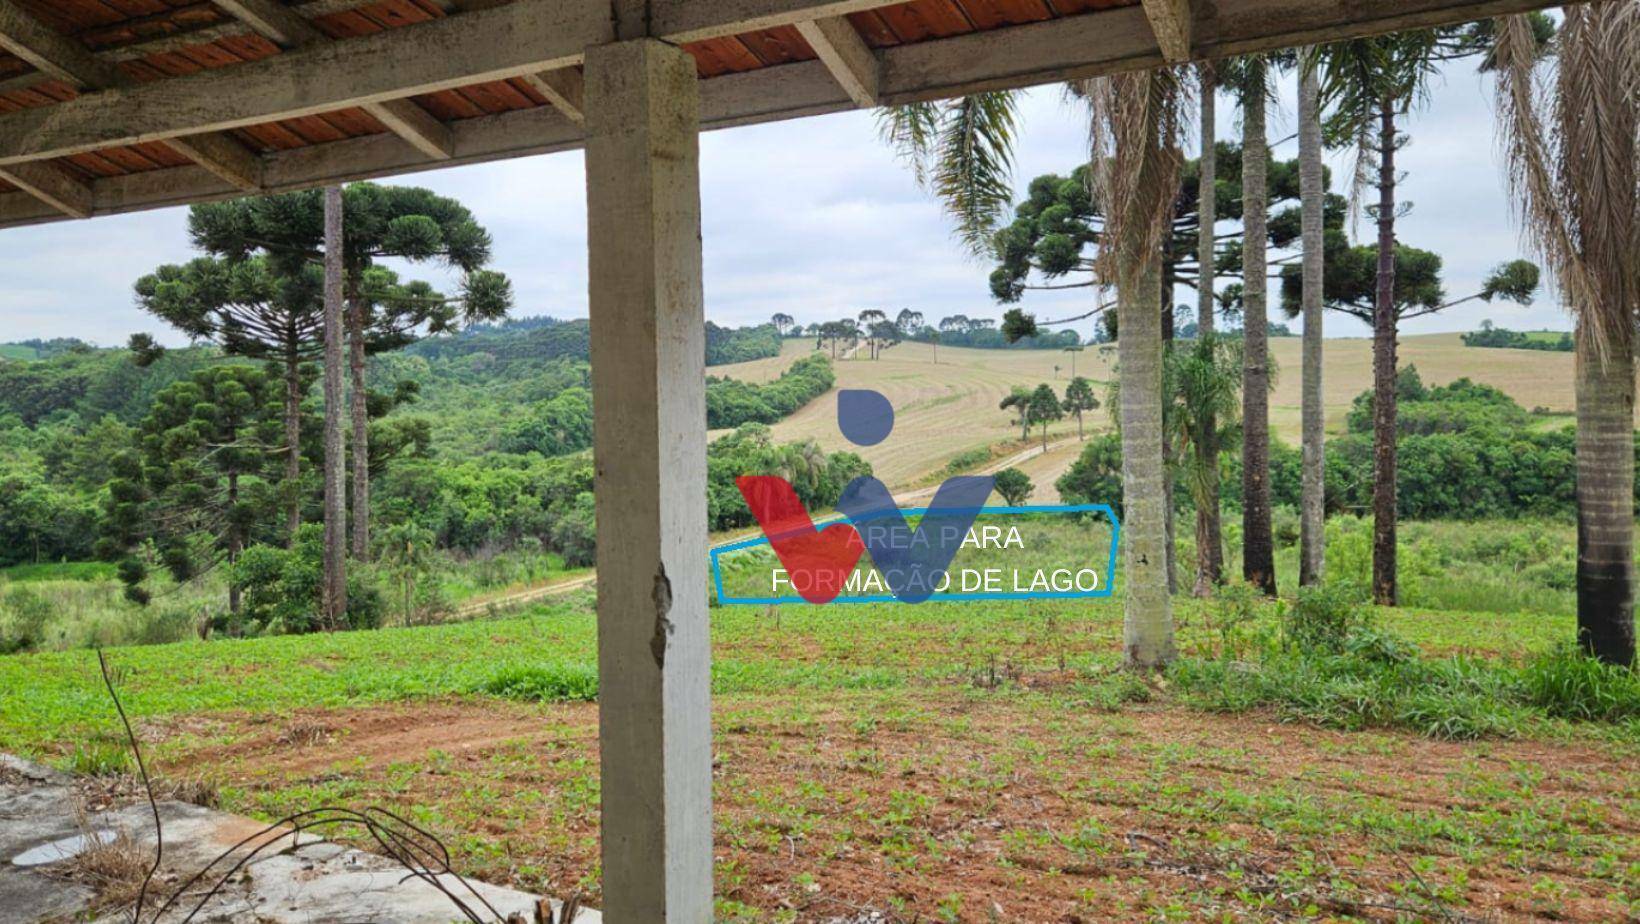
(14, 351)
(60, 571)
(550, 653)
(890, 740)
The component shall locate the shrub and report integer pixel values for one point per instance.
(1324, 618)
(1014, 486)
(968, 460)
(547, 683)
(281, 588)
(23, 616)
(1096, 475)
(575, 535)
(1568, 685)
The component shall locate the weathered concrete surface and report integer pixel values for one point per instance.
(648, 372)
(297, 880)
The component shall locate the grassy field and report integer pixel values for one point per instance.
(947, 408)
(936, 762)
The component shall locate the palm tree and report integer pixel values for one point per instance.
(1209, 539)
(962, 150)
(1251, 77)
(1312, 182)
(1137, 121)
(1573, 148)
(1205, 384)
(335, 580)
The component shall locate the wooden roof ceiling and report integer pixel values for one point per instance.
(133, 43)
(188, 36)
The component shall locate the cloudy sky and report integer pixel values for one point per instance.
(814, 218)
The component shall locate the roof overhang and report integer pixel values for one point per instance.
(209, 119)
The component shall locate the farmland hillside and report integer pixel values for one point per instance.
(950, 408)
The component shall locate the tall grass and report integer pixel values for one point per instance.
(1323, 658)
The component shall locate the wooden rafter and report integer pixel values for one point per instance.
(67, 60)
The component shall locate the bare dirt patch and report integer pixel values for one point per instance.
(1012, 805)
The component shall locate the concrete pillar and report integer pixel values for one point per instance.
(648, 380)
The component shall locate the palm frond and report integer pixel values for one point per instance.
(910, 130)
(1135, 136)
(1574, 165)
(963, 152)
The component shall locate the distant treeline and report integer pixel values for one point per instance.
(43, 349)
(732, 402)
(562, 424)
(986, 338)
(535, 339)
(1467, 451)
(1498, 337)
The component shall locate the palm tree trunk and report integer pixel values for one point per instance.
(1605, 496)
(1209, 533)
(1258, 545)
(361, 427)
(236, 542)
(335, 580)
(1168, 460)
(1312, 501)
(1384, 591)
(293, 447)
(1148, 615)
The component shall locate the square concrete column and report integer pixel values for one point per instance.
(649, 389)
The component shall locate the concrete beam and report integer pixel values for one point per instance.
(564, 88)
(70, 61)
(648, 368)
(223, 157)
(1171, 21)
(53, 186)
(846, 55)
(53, 54)
(287, 28)
(274, 21)
(520, 38)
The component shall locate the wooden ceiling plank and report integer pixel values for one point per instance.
(1171, 21)
(52, 185)
(50, 52)
(288, 28)
(68, 60)
(845, 54)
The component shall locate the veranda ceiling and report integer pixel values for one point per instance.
(110, 106)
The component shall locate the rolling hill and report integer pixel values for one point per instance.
(948, 408)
